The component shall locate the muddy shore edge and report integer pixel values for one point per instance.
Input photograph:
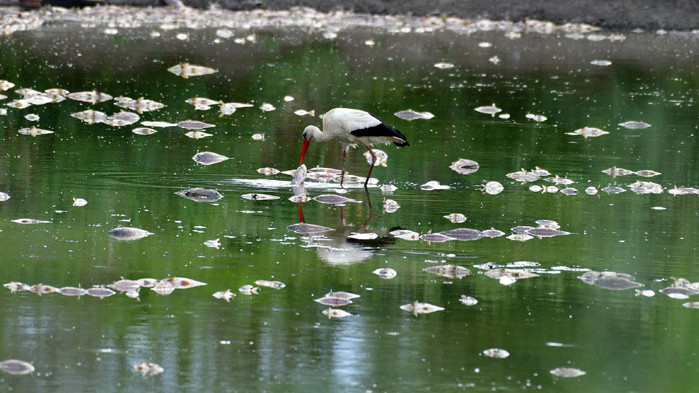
(611, 14)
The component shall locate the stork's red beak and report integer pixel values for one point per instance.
(303, 149)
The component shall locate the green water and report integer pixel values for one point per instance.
(278, 341)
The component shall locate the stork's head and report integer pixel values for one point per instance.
(308, 134)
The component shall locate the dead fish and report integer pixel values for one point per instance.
(448, 271)
(266, 107)
(614, 171)
(15, 286)
(634, 125)
(333, 301)
(258, 137)
(613, 190)
(464, 166)
(456, 218)
(147, 282)
(185, 70)
(6, 85)
(128, 233)
(194, 125)
(143, 131)
(270, 284)
(158, 124)
(209, 158)
(644, 292)
(567, 372)
(610, 280)
(520, 237)
(267, 171)
(147, 368)
(405, 234)
(19, 104)
(79, 202)
(568, 191)
(92, 97)
(248, 289)
(388, 188)
(73, 291)
(489, 110)
(333, 199)
(259, 197)
(492, 233)
(536, 118)
(308, 229)
(43, 289)
(99, 292)
(201, 101)
(32, 117)
(303, 112)
(227, 109)
(542, 232)
(381, 157)
(163, 288)
(591, 190)
(647, 173)
(444, 66)
(468, 300)
(492, 188)
(411, 115)
(496, 353)
(197, 134)
(133, 294)
(523, 176)
(547, 224)
(215, 243)
(16, 367)
(463, 234)
(691, 305)
(588, 132)
(299, 198)
(125, 285)
(33, 131)
(299, 175)
(29, 221)
(183, 282)
(139, 105)
(342, 295)
(386, 273)
(226, 295)
(200, 194)
(601, 63)
(435, 237)
(420, 308)
(335, 313)
(434, 185)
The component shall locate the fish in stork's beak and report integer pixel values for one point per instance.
(304, 148)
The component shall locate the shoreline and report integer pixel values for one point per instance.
(623, 15)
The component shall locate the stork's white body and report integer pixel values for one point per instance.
(353, 127)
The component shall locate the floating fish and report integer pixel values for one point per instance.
(568, 191)
(265, 107)
(381, 157)
(32, 117)
(226, 109)
(201, 101)
(388, 188)
(73, 291)
(463, 234)
(99, 292)
(43, 289)
(536, 118)
(390, 206)
(405, 234)
(33, 131)
(147, 368)
(363, 236)
(333, 199)
(536, 188)
(386, 273)
(92, 97)
(215, 243)
(5, 85)
(299, 175)
(258, 137)
(464, 166)
(79, 202)
(259, 197)
(644, 292)
(163, 288)
(194, 125)
(610, 280)
(691, 305)
(143, 131)
(185, 70)
(158, 124)
(139, 105)
(412, 115)
(16, 367)
(468, 300)
(299, 198)
(520, 237)
(492, 188)
(335, 313)
(601, 63)
(591, 190)
(420, 308)
(645, 187)
(267, 171)
(15, 286)
(647, 173)
(614, 171)
(270, 284)
(496, 353)
(123, 118)
(613, 190)
(444, 66)
(303, 112)
(197, 134)
(523, 176)
(226, 295)
(183, 282)
(308, 229)
(147, 282)
(489, 110)
(19, 104)
(492, 233)
(343, 295)
(567, 372)
(434, 185)
(248, 290)
(435, 237)
(29, 221)
(209, 158)
(125, 285)
(333, 301)
(682, 191)
(588, 132)
(634, 125)
(200, 194)
(128, 233)
(448, 271)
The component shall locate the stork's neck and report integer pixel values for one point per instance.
(317, 134)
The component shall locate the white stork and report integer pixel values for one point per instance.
(353, 127)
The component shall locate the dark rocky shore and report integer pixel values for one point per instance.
(612, 14)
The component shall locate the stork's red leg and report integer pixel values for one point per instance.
(344, 153)
(373, 161)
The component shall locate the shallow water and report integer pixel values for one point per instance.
(279, 341)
